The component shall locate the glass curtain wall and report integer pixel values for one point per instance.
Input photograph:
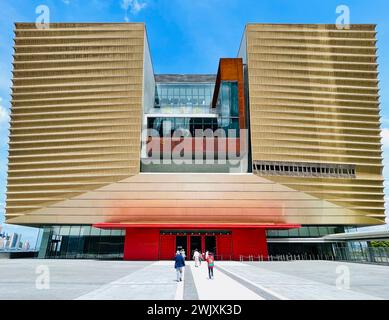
(183, 98)
(187, 126)
(305, 232)
(82, 242)
(227, 107)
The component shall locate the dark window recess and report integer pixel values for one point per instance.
(304, 169)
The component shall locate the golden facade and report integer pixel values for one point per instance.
(314, 99)
(77, 107)
(76, 112)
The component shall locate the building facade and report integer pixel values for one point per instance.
(276, 149)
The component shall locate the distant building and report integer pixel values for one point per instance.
(26, 246)
(14, 241)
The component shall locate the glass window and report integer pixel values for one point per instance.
(303, 232)
(323, 231)
(116, 232)
(283, 233)
(56, 229)
(293, 232)
(234, 100)
(207, 100)
(65, 230)
(195, 91)
(272, 233)
(74, 230)
(331, 230)
(95, 231)
(105, 232)
(314, 231)
(85, 230)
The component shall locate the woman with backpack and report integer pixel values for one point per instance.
(211, 263)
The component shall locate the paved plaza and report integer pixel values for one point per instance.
(91, 280)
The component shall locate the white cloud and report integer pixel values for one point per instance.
(4, 115)
(385, 138)
(66, 2)
(134, 5)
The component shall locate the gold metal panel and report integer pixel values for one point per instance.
(314, 98)
(76, 112)
(194, 198)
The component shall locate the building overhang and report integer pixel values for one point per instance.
(298, 240)
(196, 226)
(359, 236)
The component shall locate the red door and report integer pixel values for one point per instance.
(223, 247)
(167, 244)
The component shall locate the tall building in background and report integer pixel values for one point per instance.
(106, 156)
(14, 241)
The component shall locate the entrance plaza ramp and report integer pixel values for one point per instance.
(238, 281)
(156, 280)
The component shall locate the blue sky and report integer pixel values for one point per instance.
(188, 37)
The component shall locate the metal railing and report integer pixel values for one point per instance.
(379, 255)
(224, 257)
(286, 257)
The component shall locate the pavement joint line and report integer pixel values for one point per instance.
(311, 283)
(221, 287)
(180, 287)
(262, 290)
(121, 282)
(190, 289)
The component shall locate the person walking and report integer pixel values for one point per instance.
(196, 257)
(211, 264)
(183, 253)
(178, 265)
(202, 257)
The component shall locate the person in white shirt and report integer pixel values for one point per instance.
(196, 257)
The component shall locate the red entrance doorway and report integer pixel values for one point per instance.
(151, 242)
(195, 244)
(218, 242)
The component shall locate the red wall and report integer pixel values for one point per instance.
(141, 244)
(224, 246)
(147, 244)
(247, 242)
(167, 247)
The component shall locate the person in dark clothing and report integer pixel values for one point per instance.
(178, 265)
